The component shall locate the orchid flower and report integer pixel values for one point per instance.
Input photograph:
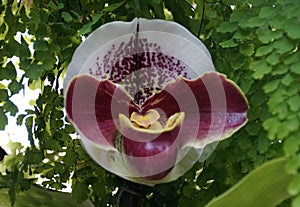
(145, 98)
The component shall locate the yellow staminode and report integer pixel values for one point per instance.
(145, 121)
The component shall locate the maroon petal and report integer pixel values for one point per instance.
(152, 153)
(214, 106)
(93, 106)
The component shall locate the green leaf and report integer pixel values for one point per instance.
(3, 119)
(238, 14)
(295, 68)
(33, 157)
(70, 129)
(292, 28)
(229, 43)
(60, 5)
(276, 98)
(273, 58)
(11, 107)
(291, 59)
(52, 144)
(70, 158)
(283, 45)
(113, 7)
(247, 49)
(20, 119)
(158, 8)
(252, 22)
(271, 86)
(291, 145)
(280, 69)
(246, 83)
(40, 45)
(265, 35)
(293, 164)
(260, 68)
(87, 28)
(296, 201)
(287, 80)
(294, 103)
(67, 17)
(281, 110)
(263, 50)
(227, 27)
(288, 126)
(211, 13)
(294, 187)
(292, 89)
(15, 87)
(276, 22)
(265, 186)
(262, 144)
(34, 72)
(272, 125)
(80, 192)
(9, 72)
(267, 12)
(38, 196)
(3, 95)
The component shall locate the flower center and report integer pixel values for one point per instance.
(145, 121)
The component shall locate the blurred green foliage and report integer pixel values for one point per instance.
(254, 42)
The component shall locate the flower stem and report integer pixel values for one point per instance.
(129, 195)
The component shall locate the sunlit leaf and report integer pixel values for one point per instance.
(265, 186)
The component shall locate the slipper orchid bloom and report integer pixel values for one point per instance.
(145, 99)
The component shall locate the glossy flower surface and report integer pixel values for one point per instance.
(145, 99)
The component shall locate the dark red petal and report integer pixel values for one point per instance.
(214, 106)
(207, 89)
(93, 106)
(153, 160)
(152, 153)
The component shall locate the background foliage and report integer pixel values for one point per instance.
(253, 42)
